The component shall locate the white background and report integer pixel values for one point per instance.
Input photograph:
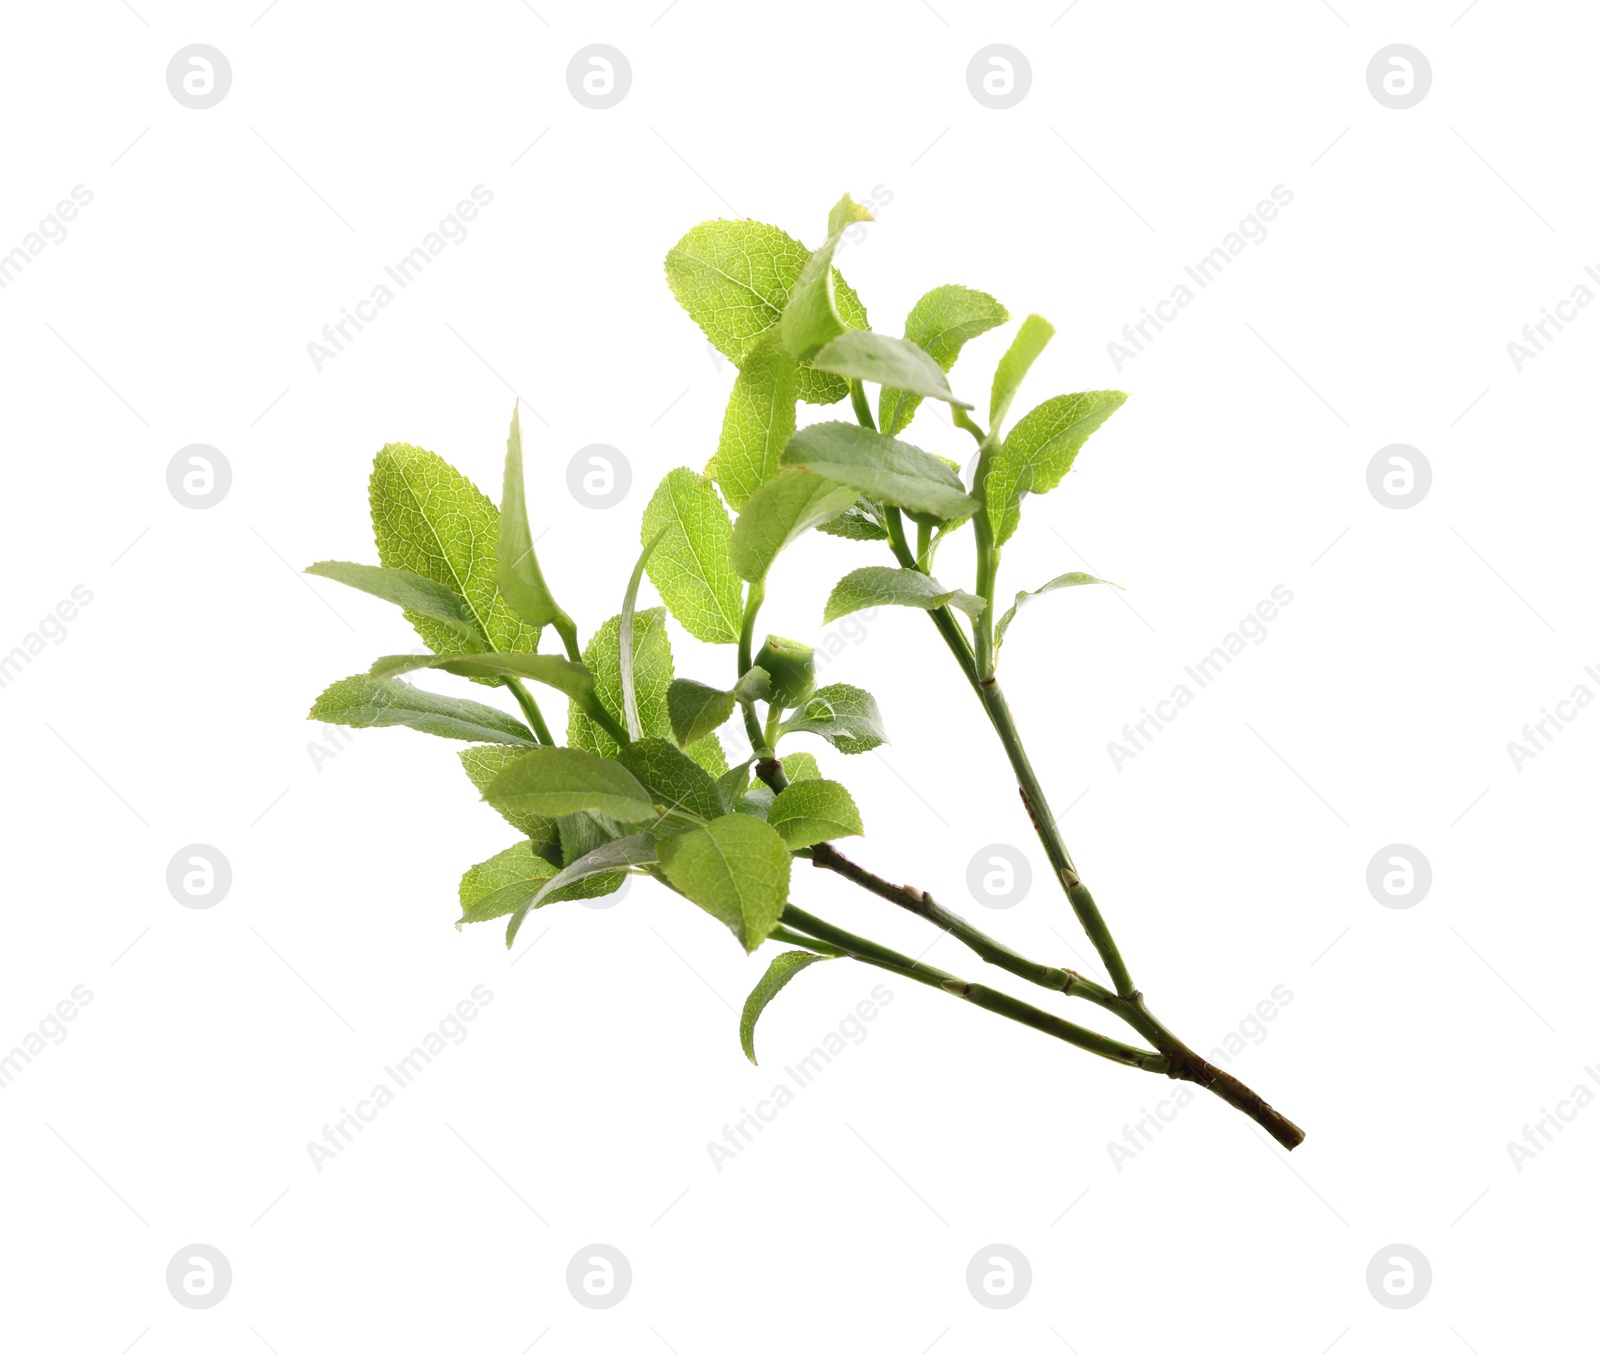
(1230, 857)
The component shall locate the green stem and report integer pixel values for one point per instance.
(858, 402)
(988, 565)
(1055, 848)
(924, 540)
(754, 596)
(568, 631)
(986, 998)
(530, 710)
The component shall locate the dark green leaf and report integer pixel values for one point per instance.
(857, 523)
(811, 316)
(695, 709)
(364, 702)
(812, 811)
(676, 784)
(414, 592)
(940, 323)
(482, 765)
(630, 600)
(888, 361)
(844, 715)
(516, 567)
(555, 781)
(880, 585)
(607, 863)
(571, 679)
(781, 510)
(881, 467)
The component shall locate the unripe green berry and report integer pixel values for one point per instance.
(792, 667)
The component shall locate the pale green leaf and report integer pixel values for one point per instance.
(757, 800)
(482, 764)
(498, 886)
(781, 510)
(414, 592)
(798, 766)
(734, 279)
(889, 361)
(754, 685)
(823, 387)
(1072, 580)
(940, 323)
(696, 709)
(881, 585)
(773, 981)
(364, 702)
(811, 316)
(630, 601)
(882, 467)
(652, 674)
(857, 523)
(675, 783)
(516, 567)
(759, 419)
(429, 519)
(812, 811)
(844, 715)
(555, 781)
(606, 865)
(691, 565)
(1032, 335)
(733, 785)
(736, 868)
(1040, 450)
(571, 679)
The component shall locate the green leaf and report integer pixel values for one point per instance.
(1060, 581)
(811, 316)
(1032, 335)
(605, 866)
(798, 766)
(755, 685)
(844, 715)
(757, 800)
(857, 523)
(516, 568)
(707, 753)
(823, 387)
(572, 679)
(482, 764)
(498, 886)
(773, 981)
(652, 674)
(555, 781)
(1040, 450)
(429, 519)
(625, 669)
(940, 323)
(364, 702)
(675, 784)
(865, 356)
(734, 278)
(696, 709)
(732, 786)
(736, 868)
(882, 467)
(759, 419)
(691, 565)
(413, 592)
(880, 585)
(812, 811)
(781, 510)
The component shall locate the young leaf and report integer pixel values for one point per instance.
(823, 387)
(812, 811)
(608, 862)
(696, 710)
(429, 519)
(811, 316)
(516, 571)
(364, 702)
(555, 781)
(482, 764)
(414, 592)
(773, 981)
(865, 356)
(498, 886)
(755, 685)
(736, 868)
(940, 323)
(759, 419)
(845, 715)
(734, 278)
(884, 468)
(856, 523)
(781, 510)
(1060, 581)
(676, 784)
(1032, 335)
(630, 601)
(879, 585)
(1040, 450)
(691, 565)
(757, 800)
(732, 786)
(798, 766)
